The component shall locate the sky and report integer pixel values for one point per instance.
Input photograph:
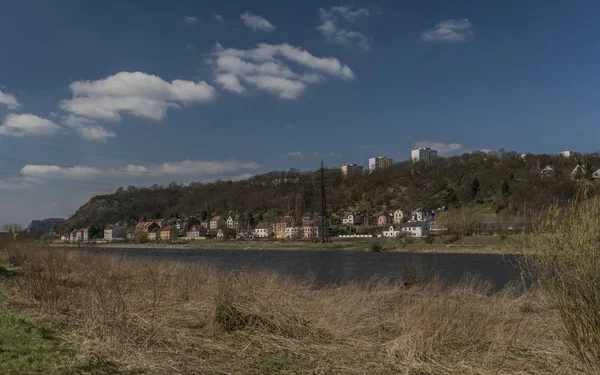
(99, 95)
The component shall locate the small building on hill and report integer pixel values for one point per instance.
(168, 233)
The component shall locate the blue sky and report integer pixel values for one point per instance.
(97, 96)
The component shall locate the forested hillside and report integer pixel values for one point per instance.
(503, 183)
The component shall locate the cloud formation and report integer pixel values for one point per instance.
(442, 148)
(189, 19)
(455, 30)
(217, 17)
(8, 100)
(85, 128)
(256, 22)
(20, 125)
(296, 154)
(136, 93)
(290, 126)
(190, 168)
(333, 33)
(265, 68)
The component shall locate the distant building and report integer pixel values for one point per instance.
(578, 173)
(393, 231)
(169, 232)
(399, 216)
(282, 224)
(379, 162)
(415, 229)
(110, 232)
(82, 234)
(421, 215)
(292, 232)
(310, 229)
(352, 219)
(154, 234)
(216, 223)
(196, 232)
(262, 230)
(596, 175)
(565, 154)
(424, 154)
(349, 169)
(383, 219)
(548, 171)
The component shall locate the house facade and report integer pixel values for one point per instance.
(279, 228)
(82, 234)
(379, 162)
(350, 169)
(111, 232)
(393, 231)
(216, 223)
(196, 232)
(154, 234)
(399, 216)
(262, 230)
(415, 229)
(310, 229)
(352, 219)
(145, 226)
(422, 215)
(423, 154)
(292, 233)
(548, 171)
(220, 234)
(383, 219)
(168, 233)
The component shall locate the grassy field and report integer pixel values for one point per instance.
(175, 318)
(470, 244)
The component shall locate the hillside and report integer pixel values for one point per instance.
(43, 226)
(504, 183)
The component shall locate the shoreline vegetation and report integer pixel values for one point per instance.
(466, 245)
(170, 317)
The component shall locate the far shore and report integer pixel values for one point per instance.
(467, 245)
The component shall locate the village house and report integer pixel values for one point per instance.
(352, 219)
(415, 229)
(216, 223)
(548, 171)
(393, 231)
(73, 235)
(220, 234)
(111, 232)
(279, 228)
(383, 219)
(64, 237)
(422, 215)
(262, 230)
(161, 223)
(233, 223)
(154, 234)
(596, 175)
(292, 233)
(310, 229)
(204, 224)
(578, 173)
(196, 232)
(145, 226)
(399, 216)
(168, 233)
(82, 234)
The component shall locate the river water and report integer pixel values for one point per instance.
(334, 267)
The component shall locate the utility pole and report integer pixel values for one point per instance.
(324, 227)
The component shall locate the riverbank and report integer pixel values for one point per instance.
(466, 245)
(169, 317)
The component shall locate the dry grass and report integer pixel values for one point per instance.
(174, 318)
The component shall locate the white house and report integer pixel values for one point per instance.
(216, 222)
(548, 171)
(196, 232)
(292, 232)
(220, 234)
(392, 231)
(310, 229)
(565, 154)
(73, 236)
(423, 154)
(398, 216)
(422, 215)
(263, 230)
(596, 175)
(578, 173)
(415, 229)
(82, 234)
(232, 223)
(110, 232)
(352, 219)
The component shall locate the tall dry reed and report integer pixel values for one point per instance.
(175, 318)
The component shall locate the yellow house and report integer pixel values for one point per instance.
(280, 227)
(169, 232)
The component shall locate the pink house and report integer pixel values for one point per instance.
(383, 219)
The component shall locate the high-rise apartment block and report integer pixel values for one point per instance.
(379, 162)
(349, 169)
(423, 154)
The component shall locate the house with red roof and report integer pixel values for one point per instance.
(82, 234)
(110, 232)
(216, 222)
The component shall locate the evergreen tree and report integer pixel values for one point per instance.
(475, 187)
(505, 189)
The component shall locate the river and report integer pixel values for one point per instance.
(334, 267)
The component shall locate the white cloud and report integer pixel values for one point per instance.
(180, 168)
(297, 154)
(442, 148)
(230, 82)
(85, 127)
(136, 93)
(333, 33)
(26, 124)
(256, 22)
(8, 100)
(190, 46)
(265, 68)
(290, 126)
(189, 19)
(455, 30)
(216, 17)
